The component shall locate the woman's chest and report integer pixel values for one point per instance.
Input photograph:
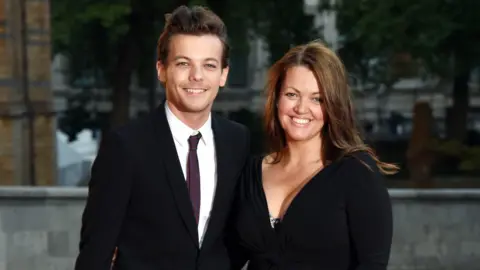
(315, 219)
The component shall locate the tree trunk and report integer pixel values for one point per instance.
(458, 116)
(420, 158)
(127, 54)
(121, 83)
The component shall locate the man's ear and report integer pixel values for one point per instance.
(223, 78)
(161, 71)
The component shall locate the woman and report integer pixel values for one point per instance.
(317, 200)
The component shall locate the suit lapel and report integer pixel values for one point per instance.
(222, 149)
(173, 168)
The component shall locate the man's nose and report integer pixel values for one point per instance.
(196, 73)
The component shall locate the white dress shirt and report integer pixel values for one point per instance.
(206, 161)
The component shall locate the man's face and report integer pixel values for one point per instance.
(193, 73)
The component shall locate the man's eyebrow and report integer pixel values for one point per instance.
(178, 57)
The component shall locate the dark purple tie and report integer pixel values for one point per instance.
(193, 174)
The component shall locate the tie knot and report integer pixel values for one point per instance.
(193, 141)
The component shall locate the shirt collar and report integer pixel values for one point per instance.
(181, 132)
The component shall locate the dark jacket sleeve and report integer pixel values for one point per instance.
(108, 196)
(238, 255)
(369, 213)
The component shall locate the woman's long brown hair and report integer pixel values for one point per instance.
(340, 134)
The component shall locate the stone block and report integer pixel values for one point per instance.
(428, 263)
(45, 147)
(427, 249)
(3, 247)
(6, 152)
(470, 248)
(27, 244)
(58, 244)
(28, 262)
(4, 91)
(401, 255)
(38, 15)
(60, 264)
(74, 240)
(39, 56)
(64, 215)
(5, 59)
(2, 11)
(29, 216)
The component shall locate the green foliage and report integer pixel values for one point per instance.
(468, 156)
(282, 24)
(431, 31)
(93, 34)
(106, 42)
(87, 31)
(254, 123)
(90, 33)
(372, 34)
(385, 40)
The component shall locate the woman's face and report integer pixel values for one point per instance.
(300, 105)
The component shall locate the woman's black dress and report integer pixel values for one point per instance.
(340, 220)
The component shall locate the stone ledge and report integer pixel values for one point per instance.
(435, 194)
(25, 192)
(82, 192)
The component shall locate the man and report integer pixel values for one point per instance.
(162, 187)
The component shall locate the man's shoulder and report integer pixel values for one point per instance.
(230, 125)
(134, 129)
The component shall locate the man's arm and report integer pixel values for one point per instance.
(238, 256)
(109, 192)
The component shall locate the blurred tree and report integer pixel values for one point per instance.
(76, 118)
(468, 157)
(112, 40)
(282, 24)
(109, 41)
(384, 40)
(235, 14)
(462, 48)
(254, 122)
(372, 45)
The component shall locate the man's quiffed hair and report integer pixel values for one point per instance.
(192, 21)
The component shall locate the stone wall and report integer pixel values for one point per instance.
(434, 229)
(39, 227)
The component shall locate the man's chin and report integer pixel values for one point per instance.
(196, 108)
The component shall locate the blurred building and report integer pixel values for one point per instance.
(27, 117)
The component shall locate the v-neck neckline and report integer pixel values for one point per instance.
(299, 193)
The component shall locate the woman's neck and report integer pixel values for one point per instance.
(301, 153)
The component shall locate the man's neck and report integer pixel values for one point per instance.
(194, 120)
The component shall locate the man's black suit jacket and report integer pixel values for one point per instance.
(138, 201)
